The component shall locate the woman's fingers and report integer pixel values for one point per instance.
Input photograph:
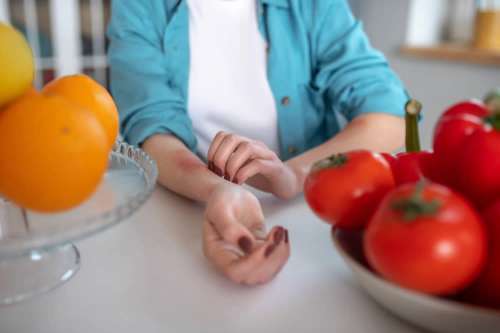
(216, 250)
(228, 153)
(234, 233)
(264, 263)
(244, 153)
(224, 151)
(260, 266)
(253, 168)
(277, 257)
(219, 137)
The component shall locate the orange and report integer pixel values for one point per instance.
(84, 91)
(17, 66)
(53, 153)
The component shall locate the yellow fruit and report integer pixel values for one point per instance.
(16, 64)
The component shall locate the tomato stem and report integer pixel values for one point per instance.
(412, 113)
(334, 161)
(415, 206)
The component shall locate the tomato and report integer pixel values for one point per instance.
(472, 107)
(479, 164)
(345, 189)
(486, 290)
(426, 238)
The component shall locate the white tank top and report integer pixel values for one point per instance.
(228, 86)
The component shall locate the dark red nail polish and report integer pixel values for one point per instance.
(269, 250)
(278, 235)
(286, 236)
(218, 171)
(211, 166)
(245, 244)
(226, 177)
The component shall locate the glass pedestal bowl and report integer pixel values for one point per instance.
(36, 250)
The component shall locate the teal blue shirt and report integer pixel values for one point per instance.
(321, 69)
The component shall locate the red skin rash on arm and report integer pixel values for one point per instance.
(187, 162)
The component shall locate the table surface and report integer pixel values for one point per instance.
(149, 275)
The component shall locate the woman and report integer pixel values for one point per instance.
(229, 92)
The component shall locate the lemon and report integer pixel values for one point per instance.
(16, 64)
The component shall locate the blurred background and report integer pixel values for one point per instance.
(444, 50)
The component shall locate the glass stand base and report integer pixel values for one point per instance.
(36, 273)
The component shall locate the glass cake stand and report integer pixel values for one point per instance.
(36, 250)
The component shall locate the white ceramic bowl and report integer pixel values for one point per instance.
(431, 313)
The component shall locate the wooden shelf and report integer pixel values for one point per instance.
(451, 52)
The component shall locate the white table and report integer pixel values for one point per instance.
(149, 275)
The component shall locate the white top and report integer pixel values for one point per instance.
(228, 87)
(149, 275)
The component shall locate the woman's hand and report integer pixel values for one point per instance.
(234, 237)
(241, 160)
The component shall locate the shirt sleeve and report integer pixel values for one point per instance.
(147, 101)
(355, 77)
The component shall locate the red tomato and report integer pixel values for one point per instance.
(479, 165)
(472, 107)
(426, 238)
(486, 290)
(345, 189)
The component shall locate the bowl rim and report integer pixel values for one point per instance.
(350, 260)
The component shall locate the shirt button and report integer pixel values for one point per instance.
(285, 101)
(292, 149)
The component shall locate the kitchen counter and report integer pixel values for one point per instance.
(149, 275)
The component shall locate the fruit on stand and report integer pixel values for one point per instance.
(54, 144)
(84, 91)
(486, 290)
(53, 153)
(338, 186)
(426, 238)
(16, 64)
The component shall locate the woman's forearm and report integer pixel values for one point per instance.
(377, 132)
(179, 169)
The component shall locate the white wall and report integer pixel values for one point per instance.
(437, 84)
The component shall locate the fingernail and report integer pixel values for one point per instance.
(278, 235)
(210, 165)
(235, 181)
(226, 177)
(218, 171)
(245, 244)
(269, 250)
(286, 236)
